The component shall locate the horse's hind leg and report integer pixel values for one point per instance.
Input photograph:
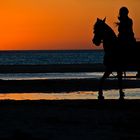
(105, 76)
(138, 74)
(122, 94)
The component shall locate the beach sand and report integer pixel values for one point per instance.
(66, 119)
(70, 119)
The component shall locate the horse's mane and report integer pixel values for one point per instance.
(102, 25)
(110, 30)
(110, 38)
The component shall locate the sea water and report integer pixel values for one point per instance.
(43, 57)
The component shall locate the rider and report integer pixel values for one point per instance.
(126, 37)
(125, 28)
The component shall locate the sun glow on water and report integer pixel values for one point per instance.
(108, 94)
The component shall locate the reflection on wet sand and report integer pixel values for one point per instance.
(109, 94)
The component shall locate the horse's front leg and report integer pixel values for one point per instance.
(105, 76)
(122, 94)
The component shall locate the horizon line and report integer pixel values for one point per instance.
(56, 50)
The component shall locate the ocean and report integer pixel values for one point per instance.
(56, 57)
(51, 57)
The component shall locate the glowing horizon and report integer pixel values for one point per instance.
(58, 24)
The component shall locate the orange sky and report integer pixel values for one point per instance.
(58, 24)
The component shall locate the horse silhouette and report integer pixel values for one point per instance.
(116, 57)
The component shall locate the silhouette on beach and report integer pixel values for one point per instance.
(125, 28)
(126, 39)
(121, 52)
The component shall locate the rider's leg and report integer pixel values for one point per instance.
(105, 76)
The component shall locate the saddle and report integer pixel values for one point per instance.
(123, 58)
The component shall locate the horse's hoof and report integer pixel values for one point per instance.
(100, 93)
(138, 75)
(121, 98)
(100, 98)
(122, 95)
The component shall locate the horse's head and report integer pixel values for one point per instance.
(99, 28)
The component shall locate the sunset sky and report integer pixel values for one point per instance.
(58, 24)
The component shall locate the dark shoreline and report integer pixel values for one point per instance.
(75, 103)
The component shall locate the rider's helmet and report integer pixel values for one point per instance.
(123, 11)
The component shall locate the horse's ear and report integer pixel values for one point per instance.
(98, 19)
(104, 19)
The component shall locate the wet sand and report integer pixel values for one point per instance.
(61, 85)
(70, 119)
(57, 85)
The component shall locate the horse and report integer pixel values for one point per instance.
(115, 57)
